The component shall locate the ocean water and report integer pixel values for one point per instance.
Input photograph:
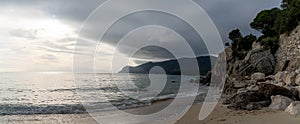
(62, 93)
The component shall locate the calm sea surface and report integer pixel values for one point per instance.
(60, 93)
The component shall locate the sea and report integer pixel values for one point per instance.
(72, 93)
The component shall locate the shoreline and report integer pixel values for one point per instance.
(220, 115)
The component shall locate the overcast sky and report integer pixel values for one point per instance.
(40, 35)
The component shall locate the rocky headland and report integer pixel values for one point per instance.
(265, 79)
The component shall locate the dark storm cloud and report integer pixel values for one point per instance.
(231, 14)
(226, 14)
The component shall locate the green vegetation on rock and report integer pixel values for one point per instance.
(271, 23)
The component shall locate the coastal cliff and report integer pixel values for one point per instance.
(262, 79)
(288, 54)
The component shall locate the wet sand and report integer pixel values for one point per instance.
(220, 115)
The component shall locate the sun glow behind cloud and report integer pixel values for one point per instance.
(27, 36)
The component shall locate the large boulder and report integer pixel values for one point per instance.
(293, 108)
(280, 102)
(262, 60)
(273, 90)
(258, 76)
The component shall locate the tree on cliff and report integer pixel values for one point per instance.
(241, 45)
(271, 23)
(265, 21)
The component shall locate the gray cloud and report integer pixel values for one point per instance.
(226, 14)
(21, 33)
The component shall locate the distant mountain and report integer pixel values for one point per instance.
(171, 67)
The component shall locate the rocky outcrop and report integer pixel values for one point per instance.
(262, 79)
(258, 60)
(257, 96)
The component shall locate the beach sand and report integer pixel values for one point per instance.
(220, 115)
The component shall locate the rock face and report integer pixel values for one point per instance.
(280, 102)
(263, 61)
(262, 79)
(288, 54)
(258, 60)
(293, 108)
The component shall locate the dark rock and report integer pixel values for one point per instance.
(207, 79)
(248, 101)
(273, 90)
(253, 100)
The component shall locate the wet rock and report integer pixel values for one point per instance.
(293, 108)
(280, 102)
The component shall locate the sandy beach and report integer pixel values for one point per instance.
(220, 115)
